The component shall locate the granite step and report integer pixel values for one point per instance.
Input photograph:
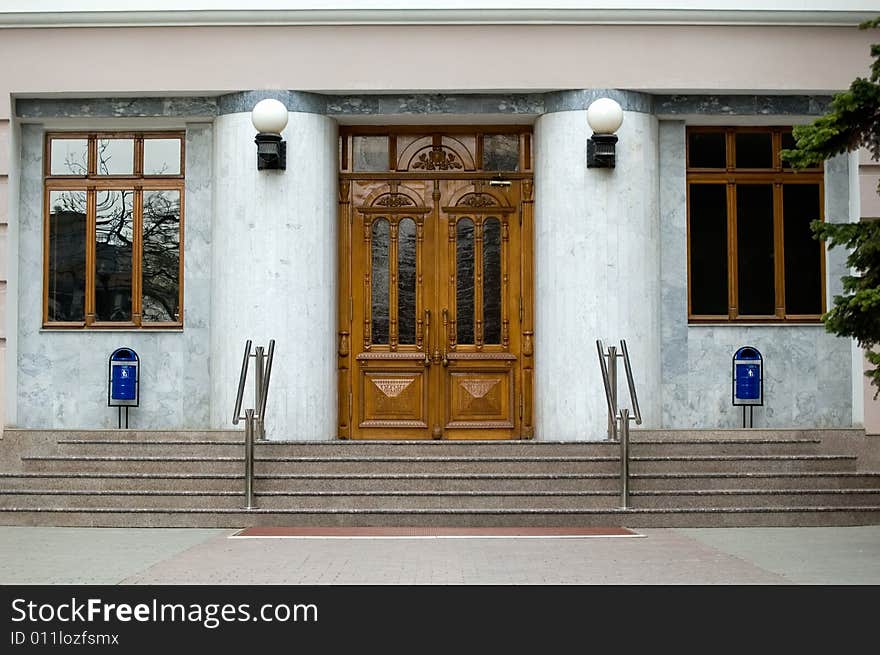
(755, 480)
(212, 447)
(632, 518)
(267, 465)
(741, 463)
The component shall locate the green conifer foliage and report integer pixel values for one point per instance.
(853, 121)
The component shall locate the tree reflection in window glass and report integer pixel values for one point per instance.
(115, 156)
(379, 281)
(492, 281)
(161, 256)
(464, 281)
(406, 281)
(161, 156)
(69, 157)
(114, 233)
(67, 256)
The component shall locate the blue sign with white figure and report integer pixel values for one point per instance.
(124, 381)
(748, 377)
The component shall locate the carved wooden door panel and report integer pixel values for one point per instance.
(435, 286)
(479, 305)
(393, 292)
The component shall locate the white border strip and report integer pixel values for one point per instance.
(54, 19)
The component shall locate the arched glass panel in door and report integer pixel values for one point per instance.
(406, 281)
(379, 315)
(492, 281)
(464, 281)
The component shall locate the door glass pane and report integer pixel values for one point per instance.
(406, 281)
(115, 156)
(114, 232)
(754, 236)
(803, 271)
(707, 150)
(492, 281)
(161, 156)
(369, 153)
(67, 255)
(379, 281)
(161, 259)
(708, 240)
(69, 157)
(501, 152)
(754, 150)
(464, 281)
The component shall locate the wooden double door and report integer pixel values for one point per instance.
(435, 308)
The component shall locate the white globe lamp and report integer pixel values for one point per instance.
(605, 117)
(269, 117)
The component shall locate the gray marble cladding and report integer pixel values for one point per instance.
(806, 377)
(62, 375)
(525, 104)
(741, 105)
(296, 101)
(807, 371)
(116, 107)
(576, 100)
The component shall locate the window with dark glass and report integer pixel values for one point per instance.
(751, 253)
(114, 230)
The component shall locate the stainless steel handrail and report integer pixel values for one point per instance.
(610, 395)
(241, 380)
(634, 399)
(623, 415)
(255, 425)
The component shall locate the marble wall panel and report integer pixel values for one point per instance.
(62, 375)
(597, 271)
(274, 272)
(808, 372)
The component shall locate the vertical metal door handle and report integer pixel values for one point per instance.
(445, 359)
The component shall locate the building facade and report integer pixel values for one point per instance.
(437, 259)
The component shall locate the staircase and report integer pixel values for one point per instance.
(678, 478)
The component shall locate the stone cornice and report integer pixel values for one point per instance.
(431, 16)
(525, 105)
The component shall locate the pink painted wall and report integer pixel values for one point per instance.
(173, 60)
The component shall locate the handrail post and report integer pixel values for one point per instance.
(624, 458)
(612, 383)
(259, 364)
(249, 423)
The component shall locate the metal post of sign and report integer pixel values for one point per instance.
(751, 409)
(119, 418)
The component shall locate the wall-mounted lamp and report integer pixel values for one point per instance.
(270, 118)
(605, 117)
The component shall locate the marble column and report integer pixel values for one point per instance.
(597, 271)
(274, 269)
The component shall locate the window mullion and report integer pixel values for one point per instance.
(91, 209)
(732, 259)
(137, 257)
(778, 250)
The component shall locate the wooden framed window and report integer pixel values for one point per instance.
(113, 230)
(751, 253)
